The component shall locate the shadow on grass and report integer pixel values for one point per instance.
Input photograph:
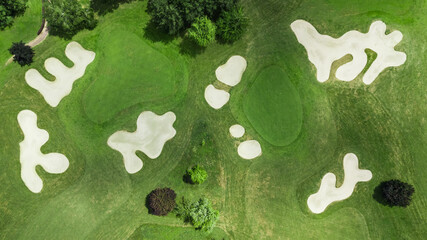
(103, 7)
(190, 48)
(378, 195)
(152, 33)
(187, 178)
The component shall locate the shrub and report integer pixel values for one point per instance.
(161, 201)
(202, 31)
(200, 214)
(9, 9)
(231, 25)
(66, 18)
(397, 193)
(197, 174)
(23, 54)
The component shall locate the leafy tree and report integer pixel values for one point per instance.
(9, 9)
(397, 193)
(231, 25)
(214, 8)
(23, 54)
(202, 31)
(165, 16)
(200, 214)
(66, 18)
(161, 201)
(197, 174)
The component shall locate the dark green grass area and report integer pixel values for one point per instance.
(264, 198)
(273, 107)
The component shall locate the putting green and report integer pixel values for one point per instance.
(273, 107)
(129, 65)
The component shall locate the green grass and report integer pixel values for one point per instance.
(152, 232)
(273, 107)
(264, 198)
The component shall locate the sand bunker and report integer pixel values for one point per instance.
(31, 156)
(231, 72)
(150, 136)
(328, 193)
(216, 98)
(249, 149)
(54, 91)
(237, 131)
(323, 50)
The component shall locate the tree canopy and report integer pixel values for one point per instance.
(23, 54)
(66, 18)
(199, 213)
(161, 201)
(9, 9)
(202, 31)
(397, 193)
(231, 25)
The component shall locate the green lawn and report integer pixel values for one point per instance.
(273, 106)
(264, 198)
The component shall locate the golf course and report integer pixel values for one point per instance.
(297, 124)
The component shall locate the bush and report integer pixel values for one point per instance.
(23, 54)
(197, 174)
(397, 193)
(161, 201)
(66, 18)
(231, 25)
(9, 9)
(202, 31)
(200, 214)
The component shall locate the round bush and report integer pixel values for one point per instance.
(202, 31)
(231, 25)
(161, 201)
(197, 174)
(23, 54)
(397, 193)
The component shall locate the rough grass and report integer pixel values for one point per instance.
(265, 198)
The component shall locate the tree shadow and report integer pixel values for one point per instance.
(103, 7)
(190, 48)
(378, 195)
(147, 204)
(151, 32)
(187, 178)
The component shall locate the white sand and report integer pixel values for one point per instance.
(216, 98)
(150, 136)
(249, 149)
(328, 193)
(237, 131)
(54, 91)
(323, 50)
(31, 156)
(231, 72)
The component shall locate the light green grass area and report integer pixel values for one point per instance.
(264, 198)
(273, 107)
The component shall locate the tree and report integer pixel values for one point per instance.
(161, 201)
(9, 9)
(202, 31)
(200, 214)
(23, 54)
(231, 25)
(397, 193)
(197, 175)
(66, 18)
(165, 16)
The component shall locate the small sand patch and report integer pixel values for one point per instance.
(152, 132)
(323, 50)
(237, 131)
(231, 72)
(328, 193)
(31, 156)
(216, 98)
(249, 149)
(54, 91)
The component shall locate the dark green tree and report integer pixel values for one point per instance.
(66, 18)
(161, 201)
(202, 31)
(397, 193)
(9, 9)
(23, 54)
(231, 25)
(200, 214)
(165, 16)
(197, 175)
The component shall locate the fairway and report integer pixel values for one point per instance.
(273, 107)
(266, 130)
